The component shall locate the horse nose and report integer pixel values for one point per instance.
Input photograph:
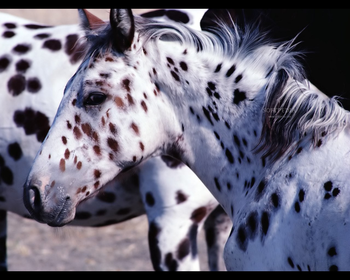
(32, 200)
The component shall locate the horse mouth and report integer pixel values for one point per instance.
(65, 214)
(63, 217)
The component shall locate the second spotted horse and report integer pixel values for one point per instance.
(35, 63)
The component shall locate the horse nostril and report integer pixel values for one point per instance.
(35, 198)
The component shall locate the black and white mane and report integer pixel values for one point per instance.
(292, 109)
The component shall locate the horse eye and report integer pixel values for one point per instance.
(95, 98)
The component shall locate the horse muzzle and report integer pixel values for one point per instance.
(52, 207)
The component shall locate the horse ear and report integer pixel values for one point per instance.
(89, 21)
(123, 28)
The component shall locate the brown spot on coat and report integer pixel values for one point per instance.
(97, 183)
(97, 150)
(97, 173)
(135, 128)
(77, 119)
(184, 248)
(199, 214)
(142, 147)
(77, 133)
(113, 144)
(112, 128)
(62, 165)
(126, 84)
(66, 154)
(79, 165)
(119, 102)
(144, 106)
(130, 99)
(86, 128)
(64, 140)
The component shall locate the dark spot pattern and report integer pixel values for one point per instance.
(77, 133)
(265, 222)
(229, 156)
(207, 115)
(231, 70)
(328, 186)
(217, 184)
(170, 262)
(33, 122)
(113, 144)
(4, 62)
(252, 224)
(183, 66)
(275, 200)
(177, 16)
(52, 44)
(73, 48)
(8, 34)
(33, 85)
(239, 96)
(174, 15)
(260, 189)
(62, 165)
(175, 76)
(10, 25)
(198, 214)
(15, 151)
(180, 197)
(21, 49)
(218, 68)
(238, 78)
(241, 238)
(290, 262)
(6, 174)
(42, 36)
(184, 248)
(333, 268)
(332, 251)
(22, 65)
(16, 85)
(155, 252)
(330, 191)
(150, 201)
(36, 26)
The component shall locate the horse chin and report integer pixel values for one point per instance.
(64, 217)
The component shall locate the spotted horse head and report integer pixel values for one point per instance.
(111, 112)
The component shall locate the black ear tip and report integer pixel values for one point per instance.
(123, 28)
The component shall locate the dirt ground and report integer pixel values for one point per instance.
(122, 247)
(37, 247)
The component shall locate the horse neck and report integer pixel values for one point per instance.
(216, 102)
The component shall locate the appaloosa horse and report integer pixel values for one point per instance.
(36, 61)
(232, 105)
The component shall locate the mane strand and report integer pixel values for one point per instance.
(292, 111)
